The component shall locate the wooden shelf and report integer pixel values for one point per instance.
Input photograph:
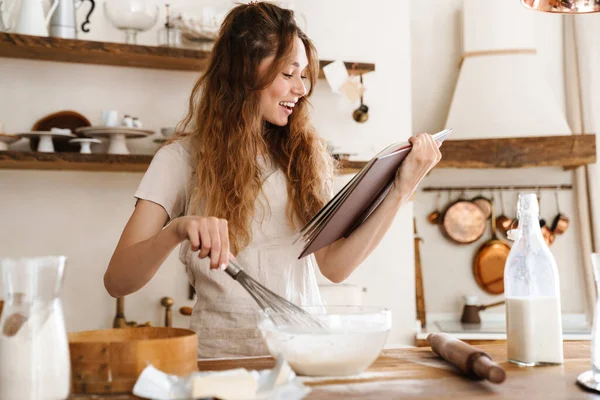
(560, 151)
(568, 151)
(117, 54)
(87, 162)
(74, 161)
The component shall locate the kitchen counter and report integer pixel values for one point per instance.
(417, 373)
(493, 328)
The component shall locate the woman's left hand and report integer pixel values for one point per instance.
(424, 155)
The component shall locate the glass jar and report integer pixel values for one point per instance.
(34, 349)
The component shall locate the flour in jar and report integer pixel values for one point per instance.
(36, 365)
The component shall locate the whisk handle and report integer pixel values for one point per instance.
(233, 269)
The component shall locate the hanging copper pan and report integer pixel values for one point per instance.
(488, 264)
(485, 204)
(463, 221)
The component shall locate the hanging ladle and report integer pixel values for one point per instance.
(434, 216)
(546, 231)
(502, 221)
(560, 222)
(361, 114)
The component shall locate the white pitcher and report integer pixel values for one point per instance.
(31, 19)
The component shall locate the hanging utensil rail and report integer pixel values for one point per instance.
(485, 188)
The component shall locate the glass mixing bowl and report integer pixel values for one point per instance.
(351, 341)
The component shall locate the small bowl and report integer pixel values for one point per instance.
(352, 341)
(167, 132)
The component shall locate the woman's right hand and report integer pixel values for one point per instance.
(210, 235)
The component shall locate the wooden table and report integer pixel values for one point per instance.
(417, 373)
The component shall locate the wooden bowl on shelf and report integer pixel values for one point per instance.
(62, 119)
(110, 360)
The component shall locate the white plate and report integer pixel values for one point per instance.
(45, 133)
(85, 140)
(8, 139)
(108, 131)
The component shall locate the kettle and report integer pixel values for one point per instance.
(31, 19)
(63, 22)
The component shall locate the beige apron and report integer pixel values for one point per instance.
(225, 315)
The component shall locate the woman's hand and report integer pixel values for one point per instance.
(425, 154)
(210, 235)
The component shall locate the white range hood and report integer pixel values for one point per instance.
(502, 95)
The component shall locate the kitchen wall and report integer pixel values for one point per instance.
(436, 31)
(81, 214)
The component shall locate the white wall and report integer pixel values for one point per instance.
(81, 214)
(437, 46)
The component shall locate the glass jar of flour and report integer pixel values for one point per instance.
(34, 348)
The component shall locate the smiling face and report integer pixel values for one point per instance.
(277, 101)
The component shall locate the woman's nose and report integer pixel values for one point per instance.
(299, 89)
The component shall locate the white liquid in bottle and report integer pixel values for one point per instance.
(535, 330)
(532, 292)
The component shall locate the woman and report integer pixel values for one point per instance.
(247, 174)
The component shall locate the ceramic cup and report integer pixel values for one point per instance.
(110, 118)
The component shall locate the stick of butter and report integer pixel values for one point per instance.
(235, 384)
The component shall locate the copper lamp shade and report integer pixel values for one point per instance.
(563, 6)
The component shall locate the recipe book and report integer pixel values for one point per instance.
(358, 199)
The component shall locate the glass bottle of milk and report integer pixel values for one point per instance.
(532, 293)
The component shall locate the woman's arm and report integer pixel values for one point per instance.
(145, 244)
(339, 259)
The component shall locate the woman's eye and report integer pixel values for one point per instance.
(304, 78)
(288, 76)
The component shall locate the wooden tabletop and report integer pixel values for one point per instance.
(417, 373)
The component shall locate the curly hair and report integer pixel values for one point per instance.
(228, 133)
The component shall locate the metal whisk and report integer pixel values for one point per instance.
(279, 310)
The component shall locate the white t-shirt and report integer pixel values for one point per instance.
(225, 315)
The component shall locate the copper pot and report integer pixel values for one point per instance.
(560, 222)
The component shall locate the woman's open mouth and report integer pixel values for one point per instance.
(288, 106)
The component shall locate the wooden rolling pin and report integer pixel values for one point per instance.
(470, 360)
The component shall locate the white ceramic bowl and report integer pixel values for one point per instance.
(352, 341)
(167, 132)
